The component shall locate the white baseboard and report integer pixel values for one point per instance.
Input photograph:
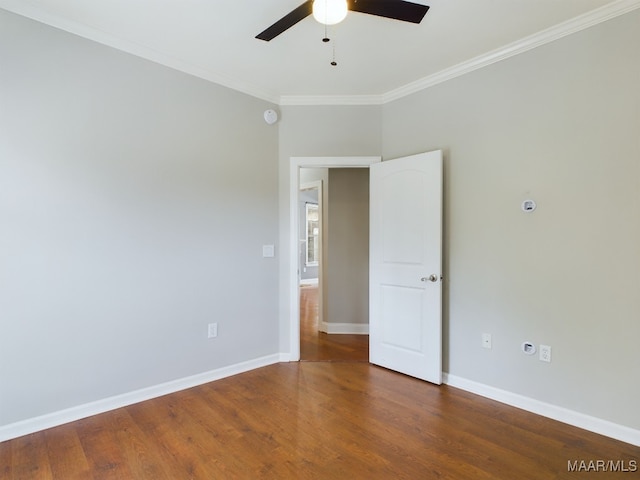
(345, 328)
(587, 422)
(285, 357)
(577, 419)
(61, 417)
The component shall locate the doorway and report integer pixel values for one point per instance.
(298, 163)
(406, 204)
(334, 312)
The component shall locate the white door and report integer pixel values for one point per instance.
(405, 329)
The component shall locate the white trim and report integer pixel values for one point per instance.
(350, 100)
(38, 14)
(581, 22)
(335, 162)
(574, 25)
(561, 414)
(72, 414)
(345, 328)
(285, 357)
(295, 164)
(589, 19)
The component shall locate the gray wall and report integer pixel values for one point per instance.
(132, 210)
(348, 246)
(559, 124)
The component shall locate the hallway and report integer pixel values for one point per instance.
(316, 346)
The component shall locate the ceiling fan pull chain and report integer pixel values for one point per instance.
(327, 39)
(333, 61)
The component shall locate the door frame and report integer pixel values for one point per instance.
(296, 163)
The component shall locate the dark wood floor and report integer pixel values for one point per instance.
(316, 346)
(313, 420)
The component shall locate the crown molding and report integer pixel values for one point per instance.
(577, 24)
(334, 100)
(28, 10)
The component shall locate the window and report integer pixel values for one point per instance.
(313, 232)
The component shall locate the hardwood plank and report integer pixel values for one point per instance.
(6, 449)
(139, 451)
(316, 346)
(313, 420)
(29, 459)
(65, 453)
(382, 428)
(101, 447)
(182, 443)
(456, 434)
(298, 441)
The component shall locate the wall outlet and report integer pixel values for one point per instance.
(486, 340)
(213, 330)
(545, 353)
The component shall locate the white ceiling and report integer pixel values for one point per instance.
(377, 58)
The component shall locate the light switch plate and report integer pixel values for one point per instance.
(545, 353)
(268, 251)
(212, 330)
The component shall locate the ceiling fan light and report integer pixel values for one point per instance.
(330, 12)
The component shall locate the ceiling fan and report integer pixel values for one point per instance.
(324, 10)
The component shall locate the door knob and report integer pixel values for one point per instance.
(430, 278)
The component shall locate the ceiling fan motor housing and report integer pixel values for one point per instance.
(394, 9)
(329, 12)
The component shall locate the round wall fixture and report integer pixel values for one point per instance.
(270, 116)
(528, 206)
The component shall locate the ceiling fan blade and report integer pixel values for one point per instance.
(396, 9)
(287, 21)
